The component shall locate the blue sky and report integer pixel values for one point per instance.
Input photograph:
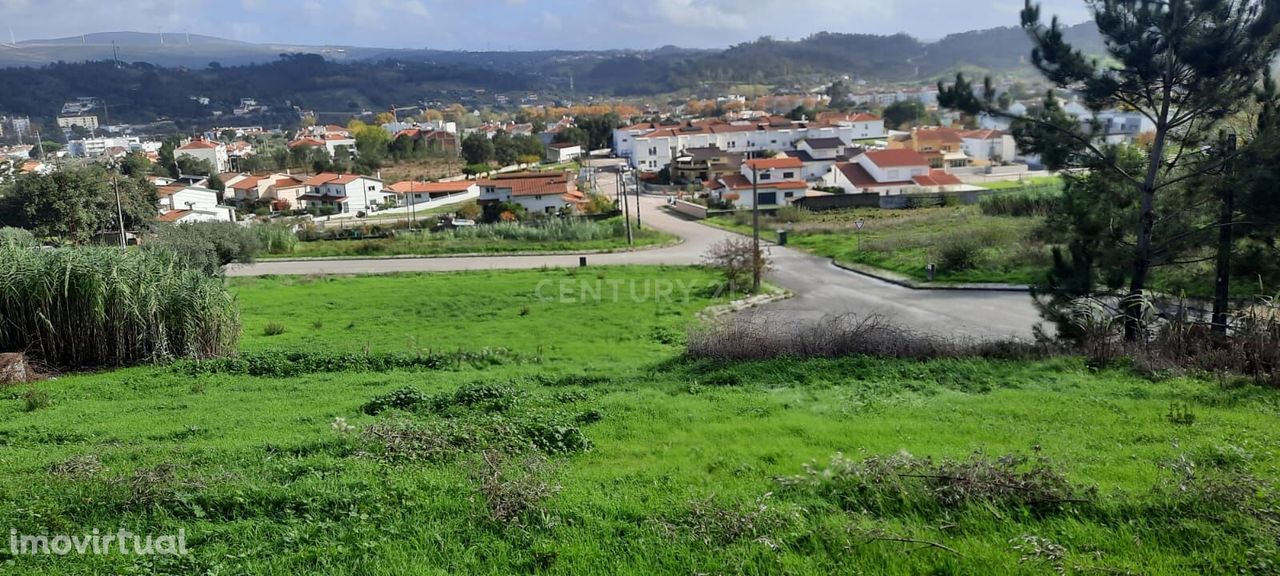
(514, 24)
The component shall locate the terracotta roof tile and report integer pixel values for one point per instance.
(896, 158)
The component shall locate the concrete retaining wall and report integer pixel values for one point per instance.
(690, 209)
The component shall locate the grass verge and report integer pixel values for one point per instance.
(593, 446)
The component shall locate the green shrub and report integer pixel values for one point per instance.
(408, 398)
(208, 245)
(792, 214)
(274, 329)
(957, 254)
(17, 237)
(85, 307)
(1025, 203)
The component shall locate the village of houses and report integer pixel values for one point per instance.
(829, 161)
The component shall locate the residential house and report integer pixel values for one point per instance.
(761, 137)
(778, 181)
(891, 172)
(985, 147)
(432, 194)
(859, 126)
(708, 163)
(820, 154)
(332, 143)
(215, 153)
(287, 191)
(942, 147)
(186, 203)
(563, 152)
(545, 192)
(345, 193)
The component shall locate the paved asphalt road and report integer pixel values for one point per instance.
(820, 288)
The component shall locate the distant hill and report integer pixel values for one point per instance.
(162, 49)
(142, 93)
(894, 57)
(136, 39)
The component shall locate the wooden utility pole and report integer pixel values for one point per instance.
(755, 229)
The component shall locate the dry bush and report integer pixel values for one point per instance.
(399, 442)
(512, 492)
(1175, 342)
(738, 338)
(718, 524)
(154, 486)
(905, 484)
(78, 467)
(737, 258)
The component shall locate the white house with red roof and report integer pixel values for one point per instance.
(779, 181)
(345, 193)
(892, 172)
(283, 190)
(989, 146)
(213, 152)
(653, 150)
(180, 203)
(545, 192)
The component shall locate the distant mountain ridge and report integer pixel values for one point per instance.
(890, 57)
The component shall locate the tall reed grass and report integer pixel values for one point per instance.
(550, 231)
(276, 237)
(1024, 203)
(86, 307)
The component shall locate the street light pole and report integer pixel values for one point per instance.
(755, 229)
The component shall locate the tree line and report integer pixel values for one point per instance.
(1203, 188)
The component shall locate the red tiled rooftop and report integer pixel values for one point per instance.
(896, 158)
(775, 163)
(173, 215)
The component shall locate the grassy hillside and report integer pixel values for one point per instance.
(580, 442)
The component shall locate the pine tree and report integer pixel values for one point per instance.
(1185, 65)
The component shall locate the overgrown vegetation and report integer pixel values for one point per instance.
(499, 237)
(207, 246)
(595, 446)
(966, 243)
(85, 307)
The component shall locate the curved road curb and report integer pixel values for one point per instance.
(886, 276)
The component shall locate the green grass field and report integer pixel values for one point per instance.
(906, 241)
(1032, 182)
(664, 465)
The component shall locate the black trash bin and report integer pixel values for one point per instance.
(782, 237)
